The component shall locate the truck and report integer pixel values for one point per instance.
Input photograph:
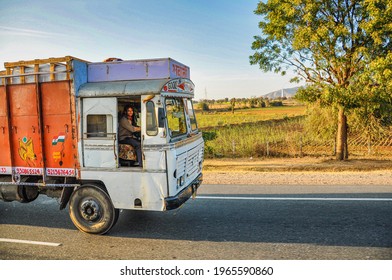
(59, 136)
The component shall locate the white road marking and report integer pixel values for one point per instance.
(295, 198)
(30, 242)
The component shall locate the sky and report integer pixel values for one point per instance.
(212, 37)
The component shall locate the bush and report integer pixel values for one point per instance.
(209, 135)
(203, 106)
(276, 103)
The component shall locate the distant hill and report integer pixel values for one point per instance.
(284, 92)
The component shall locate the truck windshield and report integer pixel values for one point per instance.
(176, 120)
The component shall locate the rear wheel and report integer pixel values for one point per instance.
(91, 210)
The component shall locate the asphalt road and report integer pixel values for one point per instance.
(225, 222)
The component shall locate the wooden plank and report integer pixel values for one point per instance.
(54, 60)
(22, 71)
(52, 70)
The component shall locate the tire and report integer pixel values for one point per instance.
(91, 210)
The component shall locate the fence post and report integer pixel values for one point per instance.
(369, 144)
(334, 147)
(233, 147)
(267, 144)
(300, 146)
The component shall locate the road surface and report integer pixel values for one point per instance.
(226, 222)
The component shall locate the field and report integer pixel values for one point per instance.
(215, 118)
(276, 132)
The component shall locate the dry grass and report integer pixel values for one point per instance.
(220, 119)
(296, 165)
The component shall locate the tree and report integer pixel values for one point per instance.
(338, 47)
(232, 104)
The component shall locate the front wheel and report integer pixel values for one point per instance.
(91, 210)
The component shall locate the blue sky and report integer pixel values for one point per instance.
(212, 37)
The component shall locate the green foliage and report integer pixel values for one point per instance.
(324, 41)
(342, 49)
(320, 122)
(375, 88)
(209, 135)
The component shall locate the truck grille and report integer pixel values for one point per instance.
(188, 162)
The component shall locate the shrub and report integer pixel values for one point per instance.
(203, 106)
(276, 103)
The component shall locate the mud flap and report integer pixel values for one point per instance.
(65, 196)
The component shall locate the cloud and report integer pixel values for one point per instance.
(6, 30)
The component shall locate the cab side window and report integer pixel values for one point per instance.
(151, 119)
(97, 125)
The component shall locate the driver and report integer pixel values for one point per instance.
(127, 130)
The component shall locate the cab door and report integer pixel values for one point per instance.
(99, 132)
(154, 137)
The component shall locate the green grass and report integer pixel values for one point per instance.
(276, 132)
(263, 138)
(247, 116)
(254, 132)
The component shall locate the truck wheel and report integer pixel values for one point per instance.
(91, 210)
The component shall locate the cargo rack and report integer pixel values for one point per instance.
(16, 72)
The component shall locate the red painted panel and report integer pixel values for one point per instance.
(25, 130)
(41, 130)
(59, 141)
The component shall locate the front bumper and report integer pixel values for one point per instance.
(173, 202)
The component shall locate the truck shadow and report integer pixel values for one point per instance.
(330, 223)
(42, 212)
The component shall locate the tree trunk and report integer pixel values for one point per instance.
(341, 137)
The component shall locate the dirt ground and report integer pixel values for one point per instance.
(305, 171)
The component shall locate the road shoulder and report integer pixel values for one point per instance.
(298, 171)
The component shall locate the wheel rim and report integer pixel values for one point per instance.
(90, 210)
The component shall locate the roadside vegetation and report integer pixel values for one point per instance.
(219, 118)
(291, 130)
(340, 49)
